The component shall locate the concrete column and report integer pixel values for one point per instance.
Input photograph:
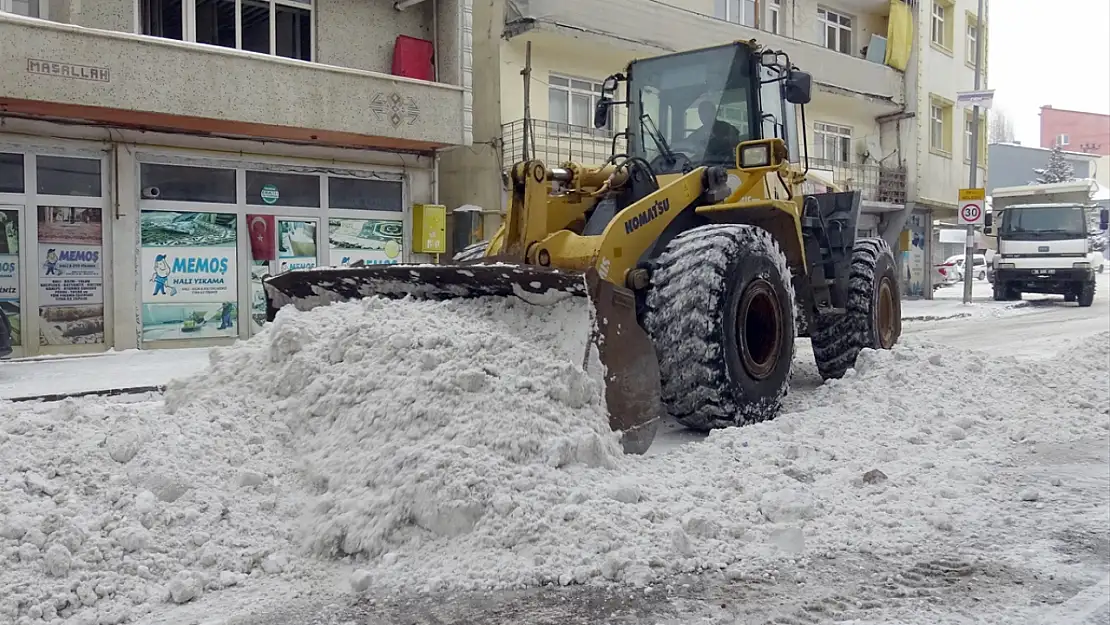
(928, 282)
(126, 251)
(472, 174)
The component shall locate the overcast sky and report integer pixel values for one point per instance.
(1055, 52)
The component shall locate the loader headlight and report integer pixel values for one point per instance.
(1082, 265)
(1006, 265)
(752, 156)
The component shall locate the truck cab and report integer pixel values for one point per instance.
(1043, 248)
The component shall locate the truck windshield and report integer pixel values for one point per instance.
(692, 109)
(1048, 222)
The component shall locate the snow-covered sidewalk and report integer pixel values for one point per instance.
(34, 377)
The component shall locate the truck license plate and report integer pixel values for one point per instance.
(1046, 273)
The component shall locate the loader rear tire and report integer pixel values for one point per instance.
(874, 312)
(720, 312)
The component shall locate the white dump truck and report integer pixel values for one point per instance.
(1041, 234)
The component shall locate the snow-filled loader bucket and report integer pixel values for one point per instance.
(632, 391)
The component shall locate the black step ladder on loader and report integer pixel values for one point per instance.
(829, 223)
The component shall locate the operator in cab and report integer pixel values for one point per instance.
(719, 138)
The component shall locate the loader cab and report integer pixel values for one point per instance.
(692, 109)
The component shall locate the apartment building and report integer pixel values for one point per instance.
(883, 118)
(158, 157)
(1075, 131)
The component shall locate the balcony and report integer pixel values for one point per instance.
(878, 185)
(657, 28)
(554, 143)
(60, 71)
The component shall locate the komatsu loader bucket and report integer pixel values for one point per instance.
(632, 391)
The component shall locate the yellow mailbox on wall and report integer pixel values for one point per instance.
(429, 229)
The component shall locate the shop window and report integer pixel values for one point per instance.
(9, 272)
(188, 275)
(11, 173)
(373, 241)
(277, 245)
(363, 194)
(267, 188)
(187, 184)
(64, 175)
(71, 275)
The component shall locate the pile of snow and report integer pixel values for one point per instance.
(461, 445)
(408, 419)
(341, 431)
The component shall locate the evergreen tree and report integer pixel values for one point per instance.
(1058, 170)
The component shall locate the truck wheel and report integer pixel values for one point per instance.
(720, 312)
(999, 292)
(1087, 294)
(874, 313)
(1070, 297)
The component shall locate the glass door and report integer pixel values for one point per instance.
(278, 243)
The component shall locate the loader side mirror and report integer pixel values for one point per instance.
(1104, 219)
(797, 87)
(601, 112)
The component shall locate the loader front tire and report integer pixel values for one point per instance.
(874, 312)
(720, 312)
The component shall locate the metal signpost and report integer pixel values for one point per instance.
(976, 97)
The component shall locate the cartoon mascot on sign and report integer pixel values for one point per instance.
(161, 276)
(51, 263)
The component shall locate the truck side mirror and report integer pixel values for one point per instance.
(601, 112)
(797, 87)
(988, 221)
(1103, 219)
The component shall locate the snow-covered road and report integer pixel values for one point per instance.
(963, 478)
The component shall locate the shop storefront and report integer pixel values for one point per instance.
(211, 230)
(179, 260)
(53, 257)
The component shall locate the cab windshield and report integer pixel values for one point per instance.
(1047, 222)
(692, 109)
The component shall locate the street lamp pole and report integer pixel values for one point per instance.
(969, 251)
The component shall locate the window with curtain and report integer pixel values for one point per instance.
(572, 100)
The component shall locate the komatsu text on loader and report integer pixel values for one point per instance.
(699, 252)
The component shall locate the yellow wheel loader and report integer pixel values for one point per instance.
(702, 258)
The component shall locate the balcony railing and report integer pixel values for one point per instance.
(554, 143)
(876, 183)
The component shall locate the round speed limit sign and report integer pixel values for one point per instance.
(971, 212)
